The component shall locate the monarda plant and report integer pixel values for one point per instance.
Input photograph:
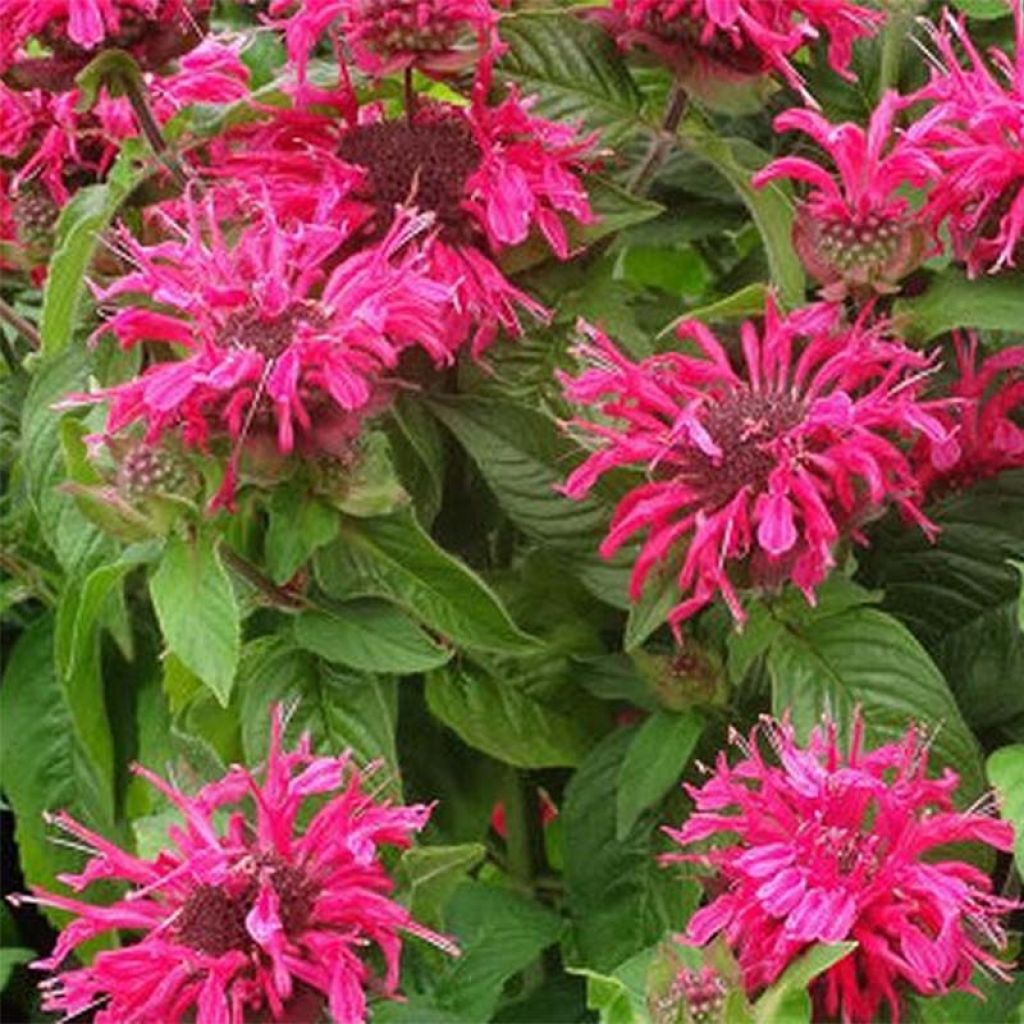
(511, 512)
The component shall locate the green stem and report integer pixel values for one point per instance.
(135, 91)
(663, 141)
(896, 31)
(277, 596)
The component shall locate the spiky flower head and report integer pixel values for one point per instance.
(827, 843)
(245, 911)
(857, 235)
(263, 338)
(436, 36)
(704, 39)
(74, 31)
(755, 471)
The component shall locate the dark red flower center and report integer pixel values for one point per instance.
(212, 919)
(687, 34)
(35, 215)
(423, 163)
(250, 328)
(742, 424)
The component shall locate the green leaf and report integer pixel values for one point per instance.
(372, 487)
(650, 613)
(78, 231)
(44, 764)
(417, 447)
(620, 900)
(392, 557)
(660, 750)
(861, 657)
(507, 722)
(432, 873)
(298, 525)
(501, 932)
(340, 709)
(574, 68)
(621, 996)
(771, 207)
(10, 958)
(524, 457)
(198, 614)
(741, 305)
(953, 301)
(776, 1005)
(1005, 769)
(959, 595)
(369, 635)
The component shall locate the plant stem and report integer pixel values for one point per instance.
(281, 598)
(410, 96)
(663, 141)
(896, 30)
(28, 331)
(135, 90)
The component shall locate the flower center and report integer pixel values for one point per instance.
(687, 32)
(872, 242)
(270, 336)
(425, 163)
(35, 215)
(742, 424)
(390, 26)
(212, 919)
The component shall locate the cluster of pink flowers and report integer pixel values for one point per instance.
(245, 910)
(830, 844)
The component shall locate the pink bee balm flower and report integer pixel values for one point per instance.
(754, 475)
(153, 31)
(489, 175)
(385, 36)
(983, 420)
(829, 845)
(269, 339)
(979, 144)
(858, 234)
(741, 38)
(243, 912)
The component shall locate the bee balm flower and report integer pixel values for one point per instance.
(753, 474)
(825, 844)
(243, 912)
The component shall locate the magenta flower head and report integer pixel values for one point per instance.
(706, 40)
(984, 419)
(438, 37)
(754, 474)
(979, 144)
(857, 234)
(261, 337)
(825, 844)
(75, 31)
(244, 911)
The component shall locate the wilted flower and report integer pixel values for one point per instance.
(858, 234)
(74, 31)
(978, 141)
(754, 475)
(436, 36)
(985, 420)
(244, 911)
(488, 174)
(272, 341)
(832, 845)
(704, 39)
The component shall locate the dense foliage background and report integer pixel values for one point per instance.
(438, 603)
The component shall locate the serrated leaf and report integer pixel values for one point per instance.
(620, 900)
(771, 207)
(574, 68)
(339, 708)
(525, 457)
(861, 657)
(501, 932)
(44, 766)
(197, 611)
(954, 301)
(432, 873)
(660, 750)
(392, 557)
(507, 722)
(298, 525)
(372, 636)
(78, 231)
